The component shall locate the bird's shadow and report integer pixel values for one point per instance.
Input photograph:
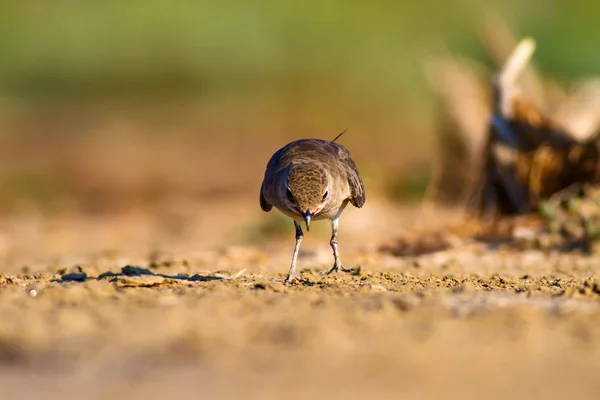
(129, 271)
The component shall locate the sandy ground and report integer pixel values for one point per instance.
(177, 304)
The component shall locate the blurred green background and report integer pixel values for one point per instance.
(113, 102)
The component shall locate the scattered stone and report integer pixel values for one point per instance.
(260, 285)
(132, 270)
(107, 274)
(74, 277)
(202, 278)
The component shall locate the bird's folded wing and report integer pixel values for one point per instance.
(357, 189)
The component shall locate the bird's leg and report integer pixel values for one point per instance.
(299, 236)
(337, 264)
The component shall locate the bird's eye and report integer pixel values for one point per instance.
(325, 194)
(289, 194)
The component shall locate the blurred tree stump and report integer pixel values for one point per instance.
(523, 164)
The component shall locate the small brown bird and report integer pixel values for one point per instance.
(312, 179)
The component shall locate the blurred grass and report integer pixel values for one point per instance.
(110, 47)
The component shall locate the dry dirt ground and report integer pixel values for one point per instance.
(180, 304)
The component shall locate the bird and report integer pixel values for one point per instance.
(312, 179)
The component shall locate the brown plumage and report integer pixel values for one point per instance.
(312, 179)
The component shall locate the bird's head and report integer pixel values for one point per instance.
(307, 190)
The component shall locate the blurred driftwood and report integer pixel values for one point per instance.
(528, 157)
(518, 152)
(505, 123)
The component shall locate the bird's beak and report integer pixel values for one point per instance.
(307, 218)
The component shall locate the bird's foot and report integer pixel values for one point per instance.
(337, 267)
(289, 278)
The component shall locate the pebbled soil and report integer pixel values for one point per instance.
(203, 321)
